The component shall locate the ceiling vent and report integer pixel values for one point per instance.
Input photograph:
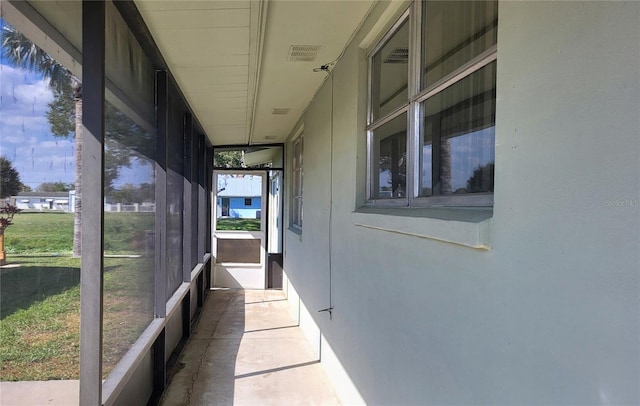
(280, 111)
(270, 137)
(303, 53)
(398, 55)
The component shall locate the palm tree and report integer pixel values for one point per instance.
(23, 53)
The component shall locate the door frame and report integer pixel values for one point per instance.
(235, 274)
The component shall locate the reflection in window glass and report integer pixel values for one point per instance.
(389, 74)
(390, 159)
(459, 136)
(129, 190)
(298, 175)
(175, 188)
(454, 33)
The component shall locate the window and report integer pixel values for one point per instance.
(432, 92)
(296, 195)
(247, 201)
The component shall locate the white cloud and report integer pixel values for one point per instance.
(25, 135)
(23, 91)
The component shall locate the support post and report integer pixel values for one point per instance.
(92, 266)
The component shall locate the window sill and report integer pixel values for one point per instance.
(468, 227)
(295, 230)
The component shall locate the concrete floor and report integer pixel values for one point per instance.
(246, 350)
(39, 393)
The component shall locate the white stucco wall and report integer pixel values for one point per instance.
(550, 313)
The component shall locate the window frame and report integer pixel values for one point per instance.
(296, 210)
(417, 96)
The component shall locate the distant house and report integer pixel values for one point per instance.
(44, 201)
(239, 196)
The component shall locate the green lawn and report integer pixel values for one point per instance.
(53, 233)
(40, 296)
(39, 312)
(238, 224)
(40, 233)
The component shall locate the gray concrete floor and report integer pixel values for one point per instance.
(246, 350)
(39, 393)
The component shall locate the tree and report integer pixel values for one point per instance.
(10, 183)
(228, 159)
(24, 53)
(54, 187)
(482, 179)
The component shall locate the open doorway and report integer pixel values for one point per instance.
(247, 217)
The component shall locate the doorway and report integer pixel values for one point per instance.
(247, 217)
(239, 229)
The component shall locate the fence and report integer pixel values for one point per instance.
(130, 208)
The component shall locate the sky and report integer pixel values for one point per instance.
(26, 138)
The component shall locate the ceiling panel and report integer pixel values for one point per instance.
(178, 5)
(208, 42)
(328, 24)
(213, 50)
(191, 19)
(232, 103)
(213, 75)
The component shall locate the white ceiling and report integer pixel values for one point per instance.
(230, 58)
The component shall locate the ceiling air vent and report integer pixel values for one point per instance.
(398, 55)
(303, 53)
(270, 137)
(280, 111)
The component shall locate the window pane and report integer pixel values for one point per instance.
(175, 190)
(129, 189)
(389, 177)
(454, 33)
(248, 157)
(239, 205)
(296, 213)
(40, 286)
(459, 129)
(389, 74)
(246, 251)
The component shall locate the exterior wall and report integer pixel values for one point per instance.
(42, 203)
(238, 209)
(550, 312)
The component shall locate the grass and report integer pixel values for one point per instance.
(128, 305)
(238, 224)
(40, 233)
(53, 233)
(39, 312)
(40, 298)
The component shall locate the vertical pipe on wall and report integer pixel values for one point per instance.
(92, 266)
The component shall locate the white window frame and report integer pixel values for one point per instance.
(295, 221)
(416, 98)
